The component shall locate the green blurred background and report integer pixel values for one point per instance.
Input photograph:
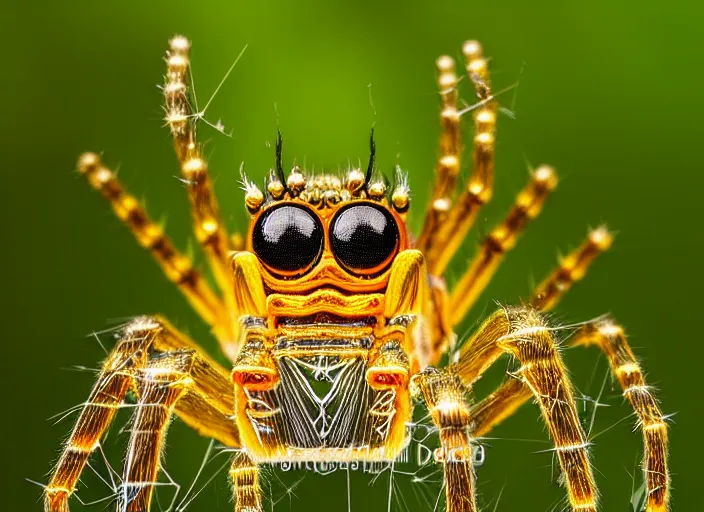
(609, 93)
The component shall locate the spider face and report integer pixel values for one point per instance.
(352, 242)
(290, 239)
(307, 383)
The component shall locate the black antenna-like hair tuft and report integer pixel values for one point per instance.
(372, 156)
(279, 166)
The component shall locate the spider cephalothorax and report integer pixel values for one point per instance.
(334, 317)
(323, 371)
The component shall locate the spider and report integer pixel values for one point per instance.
(328, 291)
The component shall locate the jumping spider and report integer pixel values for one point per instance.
(328, 285)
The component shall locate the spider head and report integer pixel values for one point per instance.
(333, 292)
(309, 231)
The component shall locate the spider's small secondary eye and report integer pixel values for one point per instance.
(288, 239)
(364, 238)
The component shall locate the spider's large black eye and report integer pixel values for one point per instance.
(364, 238)
(288, 239)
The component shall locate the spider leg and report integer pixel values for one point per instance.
(444, 395)
(570, 270)
(96, 416)
(446, 224)
(499, 405)
(503, 402)
(146, 343)
(209, 228)
(520, 332)
(245, 480)
(501, 239)
(177, 267)
(442, 335)
(448, 165)
(610, 338)
(624, 365)
(160, 385)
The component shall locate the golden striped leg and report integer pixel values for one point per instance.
(521, 333)
(206, 406)
(501, 239)
(611, 339)
(177, 267)
(446, 224)
(570, 270)
(448, 165)
(209, 229)
(159, 386)
(444, 395)
(97, 414)
(245, 481)
(442, 335)
(501, 404)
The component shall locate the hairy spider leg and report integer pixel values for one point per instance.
(208, 226)
(159, 385)
(147, 347)
(244, 474)
(177, 267)
(447, 223)
(500, 240)
(444, 395)
(499, 405)
(503, 402)
(521, 333)
(447, 167)
(570, 269)
(610, 338)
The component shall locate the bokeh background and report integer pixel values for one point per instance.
(609, 93)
